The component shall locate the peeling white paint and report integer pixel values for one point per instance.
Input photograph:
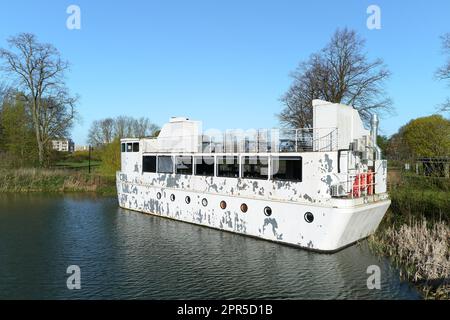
(332, 228)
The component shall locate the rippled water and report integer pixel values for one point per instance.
(130, 255)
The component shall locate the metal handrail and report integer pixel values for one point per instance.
(258, 141)
(354, 189)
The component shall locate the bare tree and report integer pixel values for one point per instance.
(101, 132)
(3, 92)
(56, 116)
(339, 73)
(123, 126)
(443, 73)
(142, 127)
(106, 130)
(95, 137)
(39, 71)
(107, 127)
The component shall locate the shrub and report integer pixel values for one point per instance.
(110, 157)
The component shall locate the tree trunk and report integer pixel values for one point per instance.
(40, 144)
(41, 153)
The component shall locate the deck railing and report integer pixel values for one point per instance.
(274, 140)
(252, 141)
(356, 185)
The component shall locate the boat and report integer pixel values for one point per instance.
(321, 188)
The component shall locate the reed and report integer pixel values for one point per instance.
(421, 250)
(415, 232)
(54, 180)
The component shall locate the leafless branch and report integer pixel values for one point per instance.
(340, 73)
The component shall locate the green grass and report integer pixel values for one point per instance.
(411, 180)
(55, 180)
(409, 202)
(77, 164)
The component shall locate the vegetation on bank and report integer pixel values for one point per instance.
(55, 180)
(421, 250)
(419, 197)
(110, 158)
(68, 172)
(415, 233)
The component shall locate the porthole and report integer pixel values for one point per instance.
(158, 195)
(172, 197)
(187, 199)
(223, 205)
(204, 202)
(268, 211)
(244, 208)
(309, 217)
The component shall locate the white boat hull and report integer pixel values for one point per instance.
(333, 228)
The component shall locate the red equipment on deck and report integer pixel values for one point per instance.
(363, 181)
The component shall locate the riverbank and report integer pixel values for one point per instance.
(55, 180)
(415, 234)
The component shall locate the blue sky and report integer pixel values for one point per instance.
(226, 62)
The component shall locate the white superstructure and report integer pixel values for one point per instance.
(321, 188)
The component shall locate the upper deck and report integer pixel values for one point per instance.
(251, 141)
(335, 127)
(335, 158)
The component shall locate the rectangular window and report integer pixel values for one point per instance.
(149, 163)
(287, 168)
(204, 166)
(256, 167)
(135, 146)
(183, 165)
(123, 147)
(165, 164)
(129, 147)
(228, 167)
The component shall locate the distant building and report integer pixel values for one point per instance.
(64, 145)
(81, 148)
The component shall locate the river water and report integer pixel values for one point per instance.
(129, 255)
